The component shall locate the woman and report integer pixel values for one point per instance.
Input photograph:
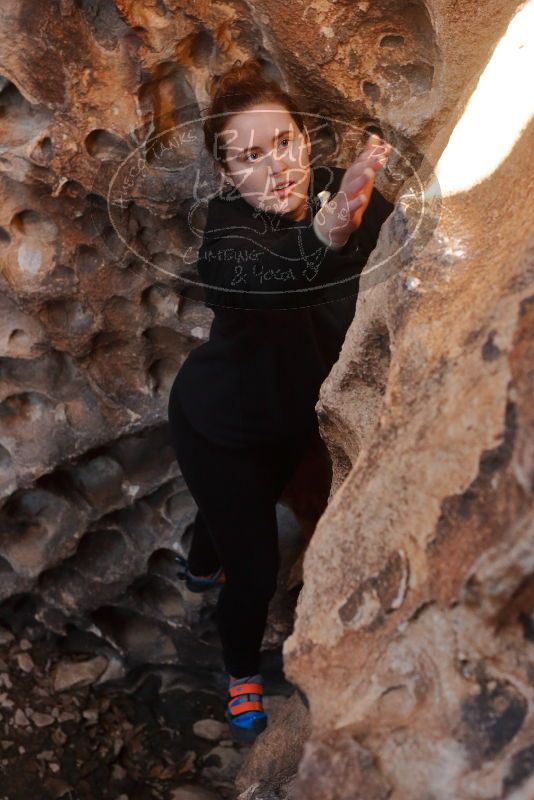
(281, 275)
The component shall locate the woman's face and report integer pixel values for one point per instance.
(264, 149)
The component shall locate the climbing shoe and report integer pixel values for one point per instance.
(197, 584)
(244, 712)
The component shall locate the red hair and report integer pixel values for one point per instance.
(242, 86)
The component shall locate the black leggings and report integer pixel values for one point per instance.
(236, 490)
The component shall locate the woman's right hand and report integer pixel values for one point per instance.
(342, 215)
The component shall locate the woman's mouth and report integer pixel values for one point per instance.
(285, 189)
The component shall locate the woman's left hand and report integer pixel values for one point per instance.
(342, 215)
(374, 156)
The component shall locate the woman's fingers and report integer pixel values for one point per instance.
(375, 145)
(368, 172)
(356, 202)
(375, 149)
(354, 173)
(373, 141)
(357, 183)
(376, 162)
(359, 202)
(358, 168)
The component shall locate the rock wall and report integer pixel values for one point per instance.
(413, 628)
(98, 235)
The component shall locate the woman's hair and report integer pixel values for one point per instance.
(242, 86)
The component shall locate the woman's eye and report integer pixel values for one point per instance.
(285, 139)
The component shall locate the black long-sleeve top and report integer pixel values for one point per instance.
(282, 303)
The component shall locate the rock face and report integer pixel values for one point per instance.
(414, 646)
(414, 628)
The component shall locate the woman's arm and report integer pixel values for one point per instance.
(253, 266)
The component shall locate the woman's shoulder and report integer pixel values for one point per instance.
(224, 210)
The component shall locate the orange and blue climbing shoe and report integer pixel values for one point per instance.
(198, 584)
(244, 712)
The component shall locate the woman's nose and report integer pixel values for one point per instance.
(277, 162)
